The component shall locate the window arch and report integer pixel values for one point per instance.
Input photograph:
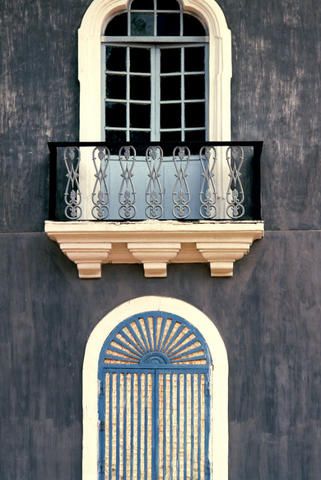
(92, 75)
(174, 349)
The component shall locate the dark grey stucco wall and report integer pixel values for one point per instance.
(268, 315)
(275, 97)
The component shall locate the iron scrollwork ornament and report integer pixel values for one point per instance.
(127, 195)
(181, 194)
(154, 193)
(72, 195)
(100, 194)
(208, 195)
(235, 192)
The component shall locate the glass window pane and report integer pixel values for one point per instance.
(115, 114)
(195, 115)
(140, 140)
(142, 24)
(115, 136)
(140, 60)
(142, 5)
(173, 137)
(139, 116)
(194, 59)
(117, 27)
(194, 87)
(170, 60)
(195, 136)
(171, 88)
(139, 88)
(171, 116)
(168, 24)
(192, 26)
(116, 59)
(116, 86)
(167, 5)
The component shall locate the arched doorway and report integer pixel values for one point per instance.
(154, 402)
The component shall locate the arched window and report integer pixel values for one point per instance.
(154, 410)
(156, 60)
(155, 402)
(186, 24)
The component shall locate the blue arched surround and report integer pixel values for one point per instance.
(164, 348)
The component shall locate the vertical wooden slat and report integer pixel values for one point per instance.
(161, 427)
(150, 428)
(192, 427)
(107, 425)
(199, 424)
(128, 425)
(124, 449)
(178, 409)
(117, 442)
(132, 398)
(185, 426)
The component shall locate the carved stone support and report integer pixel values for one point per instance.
(88, 257)
(221, 256)
(154, 256)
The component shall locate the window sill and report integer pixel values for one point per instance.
(154, 244)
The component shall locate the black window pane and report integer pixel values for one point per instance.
(167, 5)
(140, 140)
(172, 137)
(116, 86)
(194, 87)
(195, 59)
(142, 5)
(115, 136)
(116, 59)
(139, 116)
(139, 88)
(195, 136)
(117, 27)
(192, 26)
(195, 115)
(140, 60)
(168, 24)
(142, 24)
(170, 60)
(115, 114)
(170, 88)
(171, 116)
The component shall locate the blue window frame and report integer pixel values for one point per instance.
(154, 401)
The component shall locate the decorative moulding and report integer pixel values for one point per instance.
(154, 244)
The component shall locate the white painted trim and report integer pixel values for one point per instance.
(90, 77)
(219, 384)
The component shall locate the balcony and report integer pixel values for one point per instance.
(155, 204)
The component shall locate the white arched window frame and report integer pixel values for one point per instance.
(91, 74)
(219, 383)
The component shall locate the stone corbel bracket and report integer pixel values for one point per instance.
(154, 244)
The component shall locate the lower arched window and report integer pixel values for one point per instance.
(154, 400)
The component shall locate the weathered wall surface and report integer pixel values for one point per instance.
(268, 315)
(275, 97)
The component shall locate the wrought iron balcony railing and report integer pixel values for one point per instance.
(101, 181)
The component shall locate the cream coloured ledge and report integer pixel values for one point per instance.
(154, 244)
